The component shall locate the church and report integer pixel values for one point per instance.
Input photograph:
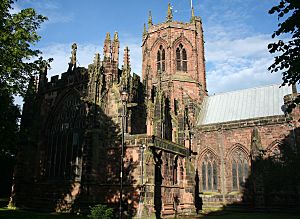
(159, 141)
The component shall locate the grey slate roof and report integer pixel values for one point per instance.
(243, 104)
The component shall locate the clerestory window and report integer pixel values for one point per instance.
(161, 59)
(181, 58)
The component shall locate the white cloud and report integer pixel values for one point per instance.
(222, 50)
(61, 54)
(237, 57)
(239, 63)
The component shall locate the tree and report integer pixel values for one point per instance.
(288, 48)
(18, 60)
(9, 129)
(9, 117)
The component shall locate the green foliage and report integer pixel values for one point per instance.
(9, 117)
(18, 60)
(288, 60)
(101, 212)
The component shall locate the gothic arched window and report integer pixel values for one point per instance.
(181, 58)
(209, 173)
(161, 59)
(64, 137)
(239, 170)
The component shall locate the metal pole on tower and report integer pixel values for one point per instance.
(191, 3)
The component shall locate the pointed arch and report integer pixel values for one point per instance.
(159, 41)
(208, 164)
(240, 147)
(161, 59)
(64, 137)
(274, 150)
(239, 159)
(181, 58)
(184, 41)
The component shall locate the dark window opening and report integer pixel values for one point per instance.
(161, 59)
(239, 170)
(209, 173)
(181, 58)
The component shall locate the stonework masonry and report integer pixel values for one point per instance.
(70, 151)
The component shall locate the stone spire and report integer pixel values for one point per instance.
(169, 15)
(107, 47)
(193, 15)
(150, 19)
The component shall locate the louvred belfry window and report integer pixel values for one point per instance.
(161, 59)
(181, 58)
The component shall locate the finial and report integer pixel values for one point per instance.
(73, 53)
(193, 15)
(116, 36)
(107, 38)
(145, 30)
(169, 15)
(150, 19)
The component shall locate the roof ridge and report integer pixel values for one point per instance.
(250, 88)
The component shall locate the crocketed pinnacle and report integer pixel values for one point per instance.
(150, 19)
(126, 58)
(116, 36)
(107, 38)
(193, 15)
(145, 30)
(169, 15)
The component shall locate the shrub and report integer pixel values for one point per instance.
(101, 212)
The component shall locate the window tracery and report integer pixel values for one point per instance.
(239, 168)
(274, 152)
(64, 139)
(181, 58)
(161, 59)
(209, 173)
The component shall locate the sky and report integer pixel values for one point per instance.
(236, 34)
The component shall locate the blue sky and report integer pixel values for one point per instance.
(236, 34)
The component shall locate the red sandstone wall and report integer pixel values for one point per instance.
(222, 140)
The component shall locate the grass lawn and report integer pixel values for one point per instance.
(15, 214)
(248, 215)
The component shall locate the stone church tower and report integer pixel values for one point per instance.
(184, 150)
(174, 75)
